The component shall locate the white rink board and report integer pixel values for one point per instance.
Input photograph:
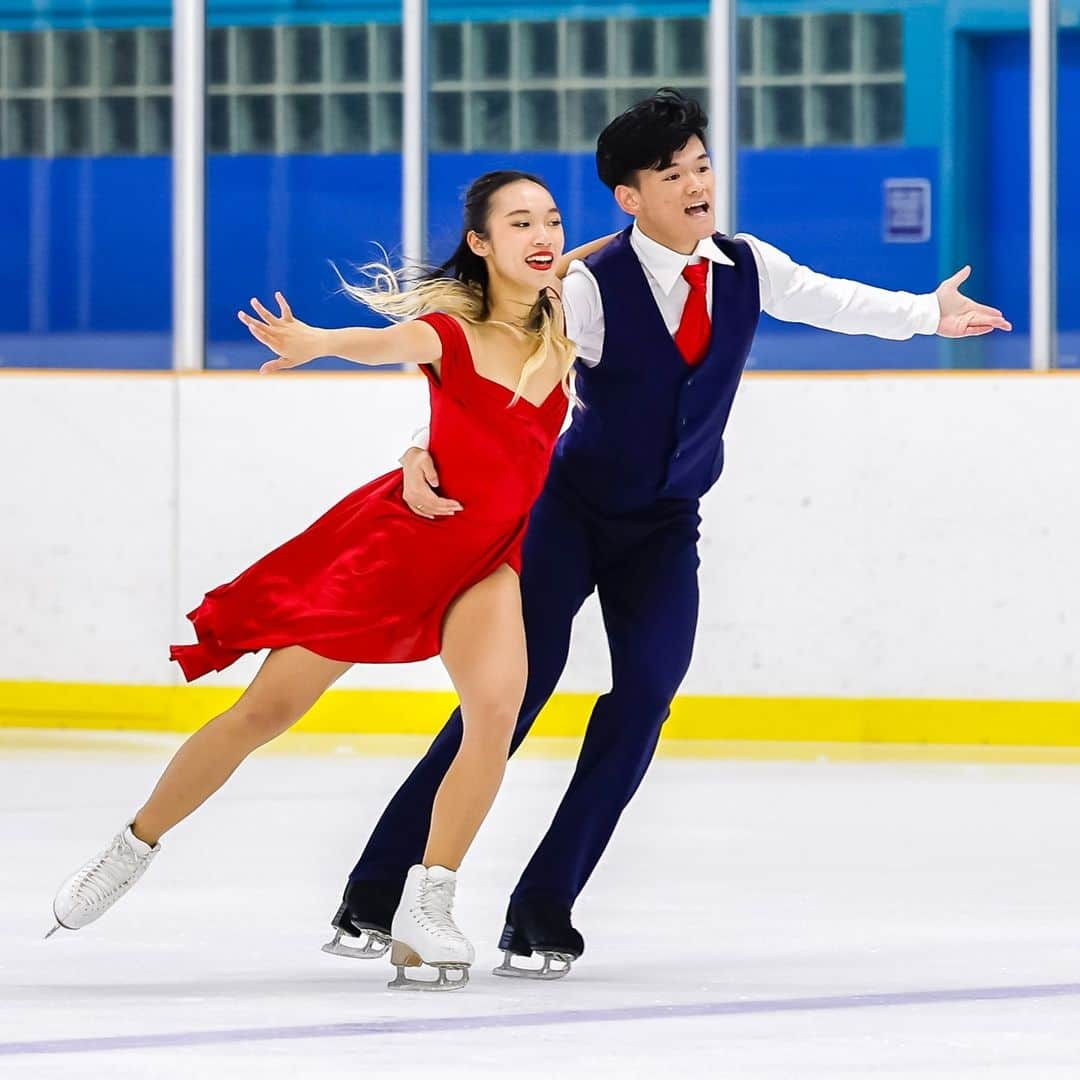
(87, 527)
(872, 535)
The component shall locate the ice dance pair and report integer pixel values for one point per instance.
(617, 512)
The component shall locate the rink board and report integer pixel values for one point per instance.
(886, 559)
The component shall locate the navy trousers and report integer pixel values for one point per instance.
(644, 567)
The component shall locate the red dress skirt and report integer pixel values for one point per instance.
(369, 581)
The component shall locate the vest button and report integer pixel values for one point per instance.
(685, 421)
(678, 454)
(690, 381)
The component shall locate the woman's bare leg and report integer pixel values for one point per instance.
(484, 653)
(289, 682)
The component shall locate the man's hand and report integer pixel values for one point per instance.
(961, 317)
(421, 480)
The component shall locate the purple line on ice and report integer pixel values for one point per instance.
(538, 1019)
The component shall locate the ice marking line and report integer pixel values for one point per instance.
(537, 1019)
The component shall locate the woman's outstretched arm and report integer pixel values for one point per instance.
(295, 342)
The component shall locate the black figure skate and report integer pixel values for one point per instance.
(535, 926)
(366, 912)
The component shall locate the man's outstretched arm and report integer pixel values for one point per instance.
(795, 293)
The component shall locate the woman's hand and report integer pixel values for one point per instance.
(293, 341)
(562, 267)
(420, 482)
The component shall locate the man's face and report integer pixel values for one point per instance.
(674, 205)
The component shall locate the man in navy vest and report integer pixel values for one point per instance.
(663, 315)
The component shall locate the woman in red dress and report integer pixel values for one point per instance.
(372, 582)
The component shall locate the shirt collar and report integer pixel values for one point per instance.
(666, 266)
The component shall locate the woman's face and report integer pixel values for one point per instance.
(524, 238)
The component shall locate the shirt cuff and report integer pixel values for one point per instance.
(421, 439)
(927, 314)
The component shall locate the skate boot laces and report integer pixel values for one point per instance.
(107, 874)
(433, 904)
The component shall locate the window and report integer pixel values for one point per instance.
(783, 44)
(447, 52)
(388, 53)
(491, 50)
(26, 127)
(882, 113)
(588, 48)
(350, 123)
(157, 57)
(349, 48)
(118, 67)
(256, 57)
(834, 44)
(447, 117)
(539, 119)
(303, 54)
(744, 49)
(119, 132)
(830, 78)
(71, 126)
(304, 124)
(491, 120)
(387, 127)
(882, 42)
(71, 60)
(157, 125)
(219, 124)
(834, 113)
(255, 124)
(586, 115)
(26, 61)
(540, 50)
(637, 47)
(218, 58)
(782, 108)
(747, 114)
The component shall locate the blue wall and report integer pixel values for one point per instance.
(1003, 75)
(101, 269)
(273, 221)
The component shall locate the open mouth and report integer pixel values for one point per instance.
(542, 260)
(698, 209)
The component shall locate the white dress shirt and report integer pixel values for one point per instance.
(789, 292)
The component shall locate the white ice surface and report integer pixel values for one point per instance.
(728, 882)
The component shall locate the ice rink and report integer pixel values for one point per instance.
(829, 916)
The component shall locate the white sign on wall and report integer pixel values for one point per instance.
(907, 211)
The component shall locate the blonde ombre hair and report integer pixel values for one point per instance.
(459, 287)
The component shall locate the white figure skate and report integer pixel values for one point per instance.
(424, 932)
(98, 884)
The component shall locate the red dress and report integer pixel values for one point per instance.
(370, 582)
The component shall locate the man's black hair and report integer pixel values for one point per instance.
(647, 136)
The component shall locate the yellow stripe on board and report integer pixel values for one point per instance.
(412, 712)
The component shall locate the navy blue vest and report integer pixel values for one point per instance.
(650, 426)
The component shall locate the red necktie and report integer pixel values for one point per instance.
(692, 337)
